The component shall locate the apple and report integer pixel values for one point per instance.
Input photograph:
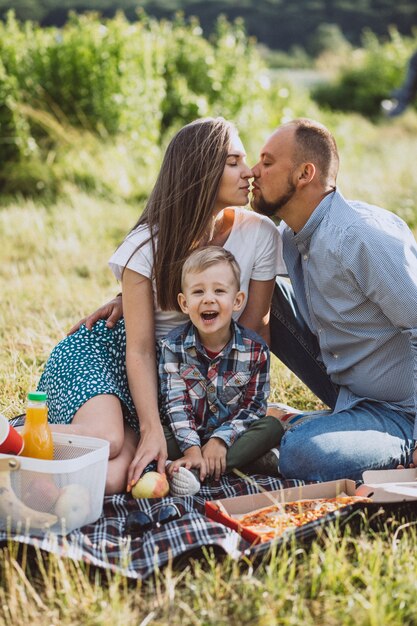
(151, 485)
(73, 505)
(41, 493)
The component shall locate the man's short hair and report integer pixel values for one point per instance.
(314, 142)
(205, 257)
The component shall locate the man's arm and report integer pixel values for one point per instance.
(112, 311)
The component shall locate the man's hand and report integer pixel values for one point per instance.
(413, 462)
(111, 311)
(214, 454)
(192, 459)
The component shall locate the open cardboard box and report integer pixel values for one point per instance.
(389, 487)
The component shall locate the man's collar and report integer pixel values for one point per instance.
(315, 218)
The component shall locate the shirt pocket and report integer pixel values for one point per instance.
(194, 380)
(234, 387)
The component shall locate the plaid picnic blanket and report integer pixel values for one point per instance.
(104, 544)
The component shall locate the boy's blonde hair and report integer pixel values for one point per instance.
(205, 257)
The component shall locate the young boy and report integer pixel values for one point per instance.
(214, 377)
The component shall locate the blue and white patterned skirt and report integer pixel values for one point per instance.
(84, 365)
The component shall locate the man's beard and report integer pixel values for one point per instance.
(260, 205)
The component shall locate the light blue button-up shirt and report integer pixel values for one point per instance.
(353, 267)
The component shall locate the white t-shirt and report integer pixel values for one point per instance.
(254, 240)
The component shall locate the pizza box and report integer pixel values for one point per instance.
(228, 511)
(391, 485)
(390, 491)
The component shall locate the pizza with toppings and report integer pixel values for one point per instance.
(272, 521)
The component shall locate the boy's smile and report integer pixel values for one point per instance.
(209, 316)
(210, 297)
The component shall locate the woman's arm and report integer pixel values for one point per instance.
(256, 314)
(142, 372)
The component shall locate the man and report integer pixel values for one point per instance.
(404, 96)
(349, 327)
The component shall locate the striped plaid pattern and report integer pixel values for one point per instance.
(220, 397)
(103, 544)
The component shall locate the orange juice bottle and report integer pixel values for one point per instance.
(37, 435)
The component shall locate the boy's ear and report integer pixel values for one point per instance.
(183, 303)
(239, 300)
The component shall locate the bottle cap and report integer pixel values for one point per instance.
(37, 396)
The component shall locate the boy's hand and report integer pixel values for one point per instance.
(192, 459)
(214, 454)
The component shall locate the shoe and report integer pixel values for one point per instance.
(287, 415)
(185, 482)
(398, 108)
(393, 108)
(267, 464)
(284, 407)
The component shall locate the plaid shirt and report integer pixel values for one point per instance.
(220, 397)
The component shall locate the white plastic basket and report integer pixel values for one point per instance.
(59, 495)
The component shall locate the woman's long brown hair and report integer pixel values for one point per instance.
(179, 211)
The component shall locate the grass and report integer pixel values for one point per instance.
(354, 580)
(53, 271)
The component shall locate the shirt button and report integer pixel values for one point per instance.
(211, 388)
(305, 257)
(336, 356)
(213, 409)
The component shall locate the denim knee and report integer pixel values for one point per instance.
(297, 457)
(343, 445)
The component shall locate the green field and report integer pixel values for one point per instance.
(53, 270)
(74, 172)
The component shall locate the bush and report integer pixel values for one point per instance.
(15, 136)
(328, 37)
(114, 79)
(367, 76)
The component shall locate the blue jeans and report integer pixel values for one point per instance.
(327, 445)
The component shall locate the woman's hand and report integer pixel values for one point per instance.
(111, 311)
(152, 447)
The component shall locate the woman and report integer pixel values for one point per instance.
(103, 383)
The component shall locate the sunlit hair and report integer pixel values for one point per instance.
(206, 257)
(315, 143)
(180, 209)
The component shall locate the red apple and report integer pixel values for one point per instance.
(151, 485)
(41, 493)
